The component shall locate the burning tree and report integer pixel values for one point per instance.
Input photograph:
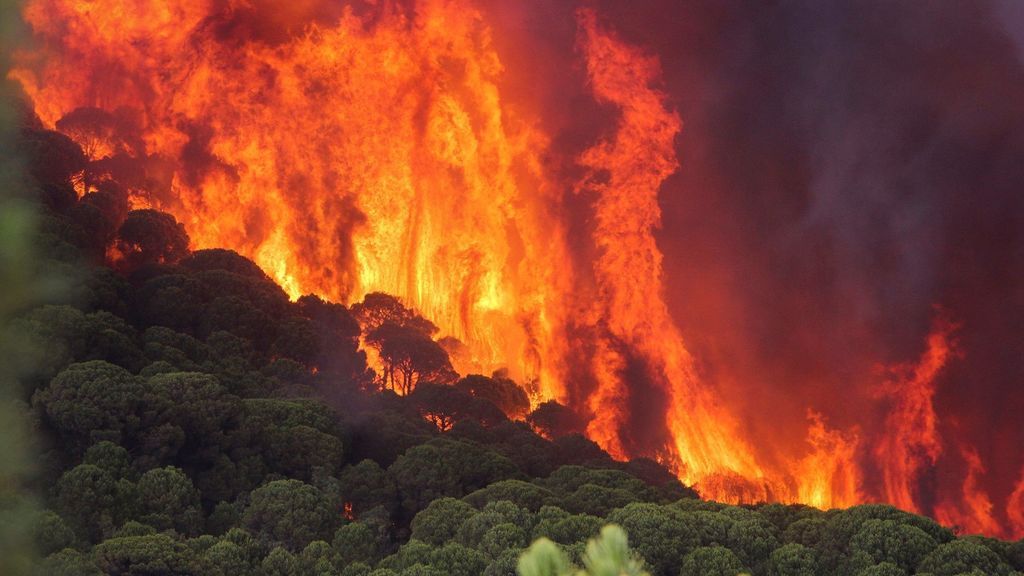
(408, 356)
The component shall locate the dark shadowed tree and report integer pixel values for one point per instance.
(53, 158)
(99, 215)
(365, 486)
(51, 534)
(528, 495)
(91, 400)
(444, 467)
(444, 406)
(711, 561)
(150, 237)
(792, 560)
(409, 356)
(378, 308)
(168, 500)
(145, 556)
(661, 535)
(441, 520)
(355, 542)
(498, 390)
(93, 501)
(553, 420)
(290, 513)
(963, 557)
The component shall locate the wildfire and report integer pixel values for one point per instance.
(629, 308)
(376, 149)
(911, 442)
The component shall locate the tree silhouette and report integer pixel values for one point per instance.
(409, 356)
(151, 237)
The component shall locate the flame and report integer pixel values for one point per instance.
(912, 442)
(1015, 507)
(408, 176)
(350, 151)
(626, 171)
(972, 512)
(829, 477)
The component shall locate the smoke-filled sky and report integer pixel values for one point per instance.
(850, 171)
(847, 167)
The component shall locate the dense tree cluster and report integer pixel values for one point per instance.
(196, 421)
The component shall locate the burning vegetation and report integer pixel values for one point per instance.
(389, 166)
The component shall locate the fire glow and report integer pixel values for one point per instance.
(350, 151)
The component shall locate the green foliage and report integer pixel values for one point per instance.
(355, 542)
(225, 559)
(133, 528)
(51, 534)
(502, 537)
(711, 561)
(279, 562)
(544, 558)
(555, 420)
(474, 531)
(961, 556)
(752, 540)
(606, 555)
(445, 406)
(317, 559)
(504, 565)
(93, 501)
(366, 485)
(890, 541)
(410, 553)
(91, 400)
(712, 528)
(660, 535)
(59, 335)
(457, 560)
(792, 560)
(144, 556)
(297, 451)
(112, 458)
(444, 467)
(834, 538)
(290, 513)
(441, 520)
(569, 528)
(169, 500)
(67, 562)
(882, 569)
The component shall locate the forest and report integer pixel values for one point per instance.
(186, 417)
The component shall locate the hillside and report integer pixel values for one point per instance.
(190, 419)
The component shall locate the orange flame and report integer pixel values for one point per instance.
(407, 176)
(911, 441)
(829, 476)
(1015, 508)
(626, 173)
(972, 512)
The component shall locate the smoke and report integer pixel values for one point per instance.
(846, 168)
